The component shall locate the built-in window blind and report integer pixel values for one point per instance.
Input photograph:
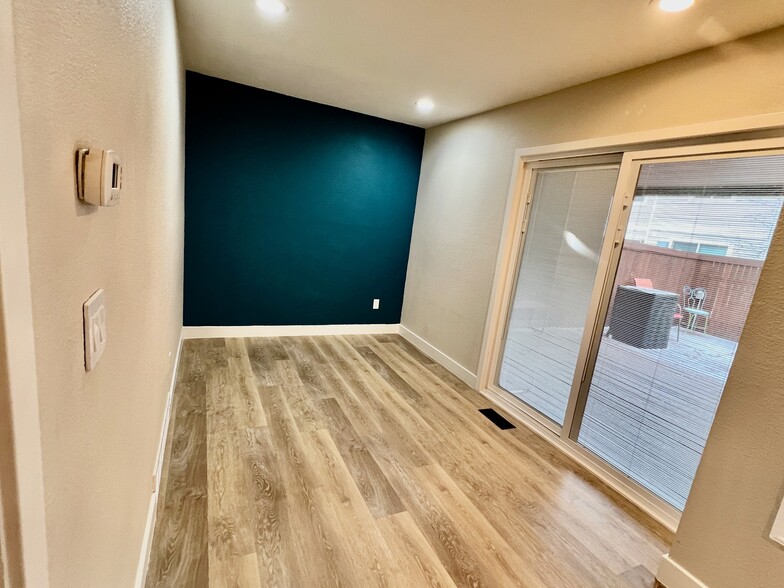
(698, 235)
(555, 279)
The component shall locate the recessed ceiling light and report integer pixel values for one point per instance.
(425, 105)
(272, 7)
(675, 5)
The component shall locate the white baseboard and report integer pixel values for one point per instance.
(287, 331)
(432, 352)
(671, 574)
(144, 556)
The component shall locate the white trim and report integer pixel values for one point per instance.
(689, 137)
(144, 556)
(671, 574)
(628, 141)
(16, 306)
(287, 331)
(735, 136)
(633, 492)
(520, 187)
(432, 352)
(518, 209)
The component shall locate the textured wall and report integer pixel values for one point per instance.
(723, 538)
(103, 74)
(465, 178)
(467, 166)
(296, 213)
(18, 378)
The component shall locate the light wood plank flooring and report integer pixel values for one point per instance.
(649, 411)
(357, 461)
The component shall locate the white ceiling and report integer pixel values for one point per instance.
(379, 56)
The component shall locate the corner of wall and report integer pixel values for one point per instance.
(21, 381)
(671, 574)
(433, 352)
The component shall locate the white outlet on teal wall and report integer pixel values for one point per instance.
(376, 303)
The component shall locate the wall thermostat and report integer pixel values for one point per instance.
(98, 176)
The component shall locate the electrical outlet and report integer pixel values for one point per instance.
(376, 303)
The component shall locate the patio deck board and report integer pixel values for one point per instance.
(649, 411)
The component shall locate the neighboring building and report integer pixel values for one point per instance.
(723, 227)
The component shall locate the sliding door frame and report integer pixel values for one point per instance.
(527, 203)
(733, 142)
(603, 292)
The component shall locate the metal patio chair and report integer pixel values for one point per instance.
(694, 305)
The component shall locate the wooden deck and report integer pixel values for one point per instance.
(649, 411)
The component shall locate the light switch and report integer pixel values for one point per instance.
(95, 335)
(777, 532)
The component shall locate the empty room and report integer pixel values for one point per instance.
(362, 293)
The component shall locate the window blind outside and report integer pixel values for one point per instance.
(556, 275)
(697, 238)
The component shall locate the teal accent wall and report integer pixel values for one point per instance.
(296, 213)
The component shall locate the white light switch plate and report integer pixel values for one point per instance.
(94, 312)
(777, 532)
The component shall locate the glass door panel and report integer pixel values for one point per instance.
(696, 239)
(555, 278)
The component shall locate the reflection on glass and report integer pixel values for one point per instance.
(555, 280)
(698, 235)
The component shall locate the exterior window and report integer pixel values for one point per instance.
(684, 246)
(691, 247)
(708, 249)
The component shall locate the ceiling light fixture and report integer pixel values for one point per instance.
(272, 7)
(424, 105)
(675, 5)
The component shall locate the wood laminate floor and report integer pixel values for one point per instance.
(649, 411)
(357, 461)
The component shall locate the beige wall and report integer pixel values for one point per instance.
(467, 166)
(723, 537)
(106, 75)
(21, 465)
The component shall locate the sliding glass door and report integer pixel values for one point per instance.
(697, 235)
(555, 278)
(631, 288)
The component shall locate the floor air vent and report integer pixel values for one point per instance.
(496, 418)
